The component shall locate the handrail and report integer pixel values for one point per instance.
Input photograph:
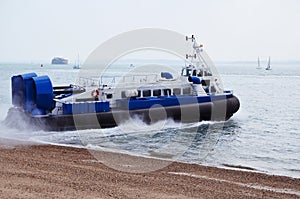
(107, 79)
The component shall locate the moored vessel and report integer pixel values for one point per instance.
(59, 60)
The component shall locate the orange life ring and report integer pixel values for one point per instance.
(95, 93)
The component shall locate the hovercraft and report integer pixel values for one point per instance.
(195, 95)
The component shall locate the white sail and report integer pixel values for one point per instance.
(77, 65)
(258, 63)
(269, 64)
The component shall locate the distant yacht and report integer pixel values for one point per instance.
(77, 64)
(258, 63)
(269, 64)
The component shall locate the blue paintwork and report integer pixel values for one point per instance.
(166, 75)
(85, 107)
(145, 103)
(43, 93)
(32, 93)
(195, 80)
(22, 90)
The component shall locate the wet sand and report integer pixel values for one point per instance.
(46, 171)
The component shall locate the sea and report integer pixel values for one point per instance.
(263, 136)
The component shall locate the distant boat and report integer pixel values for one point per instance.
(269, 64)
(77, 64)
(59, 60)
(258, 64)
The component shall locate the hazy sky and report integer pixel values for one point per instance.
(231, 30)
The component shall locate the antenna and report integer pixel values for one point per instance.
(190, 38)
(187, 56)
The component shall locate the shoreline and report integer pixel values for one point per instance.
(34, 171)
(225, 166)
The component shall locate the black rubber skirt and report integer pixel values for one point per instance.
(216, 110)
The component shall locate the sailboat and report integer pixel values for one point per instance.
(269, 64)
(77, 64)
(258, 63)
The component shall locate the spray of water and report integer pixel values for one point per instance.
(14, 130)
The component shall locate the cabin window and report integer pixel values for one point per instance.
(157, 92)
(194, 73)
(123, 94)
(200, 73)
(139, 93)
(167, 92)
(205, 82)
(213, 89)
(146, 93)
(186, 72)
(109, 95)
(186, 91)
(176, 91)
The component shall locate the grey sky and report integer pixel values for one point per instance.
(231, 30)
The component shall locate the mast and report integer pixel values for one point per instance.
(258, 63)
(77, 63)
(78, 59)
(200, 63)
(269, 64)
